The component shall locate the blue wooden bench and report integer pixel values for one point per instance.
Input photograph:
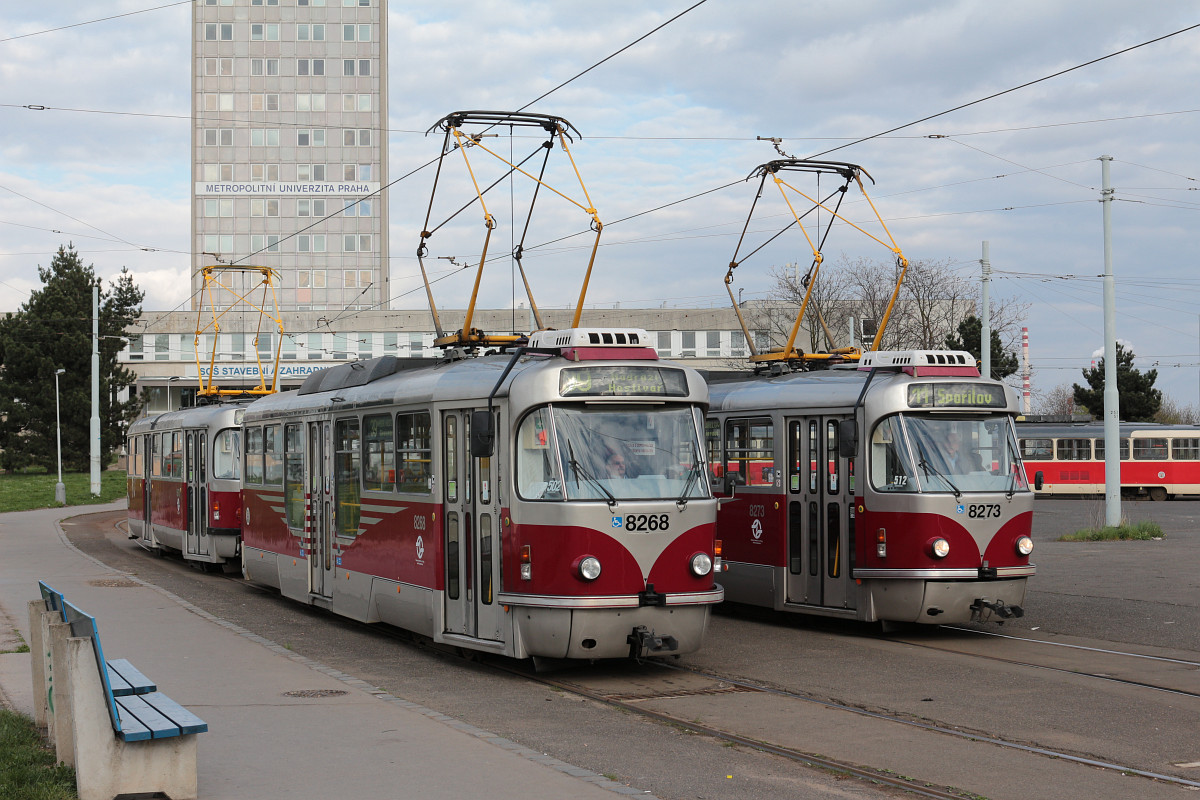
(126, 737)
(124, 678)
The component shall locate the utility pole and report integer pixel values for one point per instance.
(985, 318)
(1112, 408)
(95, 421)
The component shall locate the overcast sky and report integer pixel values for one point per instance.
(106, 164)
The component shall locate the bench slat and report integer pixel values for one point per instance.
(186, 720)
(135, 708)
(127, 679)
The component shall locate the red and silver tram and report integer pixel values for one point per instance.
(1157, 461)
(185, 481)
(472, 501)
(889, 492)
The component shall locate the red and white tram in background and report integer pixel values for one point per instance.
(839, 498)
(469, 501)
(184, 482)
(1157, 461)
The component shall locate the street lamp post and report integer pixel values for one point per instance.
(60, 491)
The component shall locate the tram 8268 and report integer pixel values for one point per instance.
(184, 482)
(889, 492)
(550, 502)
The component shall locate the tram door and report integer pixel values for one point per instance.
(472, 533)
(196, 467)
(319, 499)
(153, 466)
(145, 456)
(820, 519)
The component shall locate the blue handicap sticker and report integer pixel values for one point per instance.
(618, 522)
(961, 508)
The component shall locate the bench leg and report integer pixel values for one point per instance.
(107, 766)
(39, 651)
(60, 716)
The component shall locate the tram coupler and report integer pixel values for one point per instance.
(651, 597)
(998, 607)
(644, 642)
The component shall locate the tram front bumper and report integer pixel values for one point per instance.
(946, 602)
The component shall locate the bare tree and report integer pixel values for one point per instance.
(1172, 412)
(1059, 401)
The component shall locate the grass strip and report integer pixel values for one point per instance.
(28, 770)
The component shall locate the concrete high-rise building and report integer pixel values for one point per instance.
(289, 148)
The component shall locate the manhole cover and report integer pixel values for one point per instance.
(114, 583)
(316, 693)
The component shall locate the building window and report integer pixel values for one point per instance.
(357, 279)
(259, 242)
(218, 172)
(664, 343)
(218, 32)
(264, 32)
(310, 172)
(689, 344)
(135, 348)
(264, 172)
(263, 102)
(310, 33)
(310, 138)
(260, 207)
(360, 33)
(218, 66)
(714, 342)
(310, 243)
(737, 343)
(359, 208)
(357, 102)
(360, 243)
(310, 208)
(310, 66)
(264, 137)
(218, 137)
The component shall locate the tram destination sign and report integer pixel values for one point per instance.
(956, 395)
(622, 382)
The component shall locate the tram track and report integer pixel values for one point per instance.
(1186, 680)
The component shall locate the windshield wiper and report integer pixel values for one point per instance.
(578, 469)
(925, 465)
(692, 477)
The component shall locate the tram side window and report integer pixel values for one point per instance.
(1037, 449)
(712, 443)
(254, 455)
(891, 470)
(1074, 449)
(1185, 449)
(293, 474)
(133, 460)
(795, 460)
(174, 465)
(347, 464)
(537, 475)
(227, 455)
(1100, 449)
(272, 455)
(1150, 449)
(415, 452)
(379, 465)
(750, 450)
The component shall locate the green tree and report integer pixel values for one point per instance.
(51, 331)
(970, 332)
(1140, 401)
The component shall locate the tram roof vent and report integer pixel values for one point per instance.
(924, 362)
(590, 337)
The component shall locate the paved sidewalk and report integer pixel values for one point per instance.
(340, 738)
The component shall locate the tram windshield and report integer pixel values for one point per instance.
(918, 453)
(585, 452)
(227, 455)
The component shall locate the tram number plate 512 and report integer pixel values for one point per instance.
(983, 510)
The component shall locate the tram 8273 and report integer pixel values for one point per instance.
(889, 492)
(184, 482)
(550, 502)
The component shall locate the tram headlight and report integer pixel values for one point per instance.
(1024, 545)
(588, 568)
(701, 564)
(939, 547)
